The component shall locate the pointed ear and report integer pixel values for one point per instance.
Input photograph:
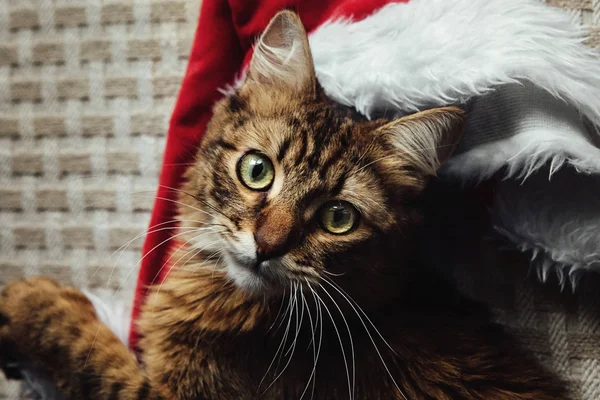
(282, 55)
(426, 139)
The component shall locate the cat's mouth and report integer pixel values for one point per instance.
(251, 274)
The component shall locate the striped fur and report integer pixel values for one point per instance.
(216, 329)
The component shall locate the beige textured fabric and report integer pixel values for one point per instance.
(86, 90)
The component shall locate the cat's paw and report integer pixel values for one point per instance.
(34, 313)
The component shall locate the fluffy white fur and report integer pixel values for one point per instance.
(564, 235)
(410, 56)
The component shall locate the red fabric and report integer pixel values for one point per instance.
(222, 45)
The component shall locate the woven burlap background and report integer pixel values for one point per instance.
(86, 90)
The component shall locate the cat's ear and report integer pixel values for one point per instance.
(426, 139)
(282, 55)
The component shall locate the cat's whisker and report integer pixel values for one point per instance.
(351, 340)
(334, 274)
(142, 259)
(207, 259)
(293, 347)
(186, 205)
(191, 254)
(211, 230)
(175, 252)
(349, 298)
(310, 321)
(287, 310)
(312, 343)
(171, 256)
(283, 339)
(279, 311)
(194, 253)
(343, 294)
(121, 285)
(317, 353)
(395, 155)
(153, 229)
(109, 202)
(298, 324)
(339, 336)
(321, 326)
(216, 264)
(122, 250)
(124, 247)
(203, 201)
(226, 282)
(179, 164)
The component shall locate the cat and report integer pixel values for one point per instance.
(294, 273)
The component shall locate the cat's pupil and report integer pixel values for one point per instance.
(257, 169)
(338, 216)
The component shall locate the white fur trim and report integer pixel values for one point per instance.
(521, 127)
(520, 68)
(558, 223)
(410, 56)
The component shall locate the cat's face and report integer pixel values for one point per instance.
(288, 188)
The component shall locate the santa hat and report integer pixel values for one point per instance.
(531, 87)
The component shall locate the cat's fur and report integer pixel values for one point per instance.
(304, 325)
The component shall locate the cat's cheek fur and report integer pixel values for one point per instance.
(206, 241)
(243, 245)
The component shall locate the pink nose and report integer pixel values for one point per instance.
(274, 234)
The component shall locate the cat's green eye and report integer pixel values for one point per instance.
(256, 171)
(338, 217)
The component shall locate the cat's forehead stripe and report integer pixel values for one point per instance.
(303, 147)
(283, 149)
(236, 103)
(334, 157)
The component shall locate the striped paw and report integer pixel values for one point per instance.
(37, 316)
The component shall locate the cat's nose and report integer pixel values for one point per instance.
(274, 234)
(266, 250)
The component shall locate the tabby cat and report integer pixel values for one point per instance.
(294, 275)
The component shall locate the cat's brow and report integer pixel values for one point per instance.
(225, 144)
